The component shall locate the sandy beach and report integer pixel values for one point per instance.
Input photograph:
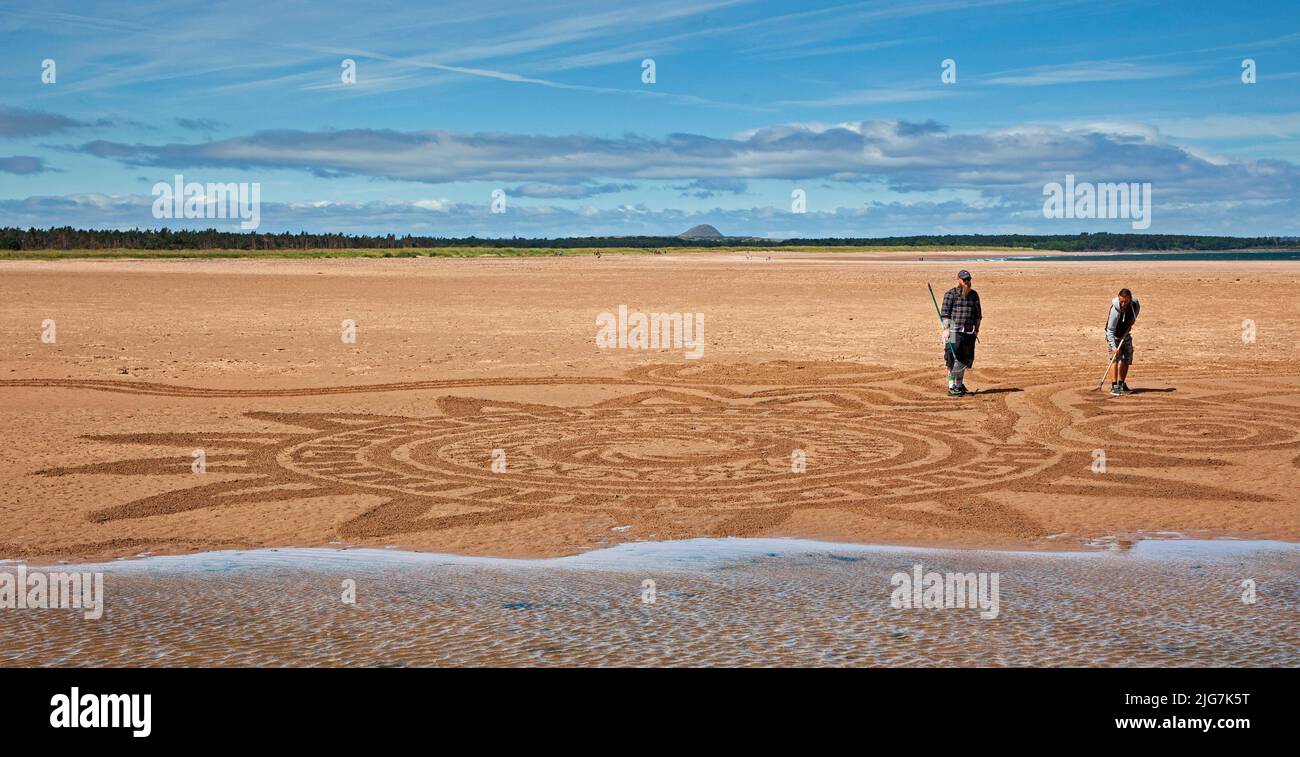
(390, 441)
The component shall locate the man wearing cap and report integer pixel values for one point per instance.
(961, 314)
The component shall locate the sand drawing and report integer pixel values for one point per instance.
(716, 440)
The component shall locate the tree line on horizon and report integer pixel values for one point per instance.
(69, 238)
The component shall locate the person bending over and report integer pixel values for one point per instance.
(1119, 323)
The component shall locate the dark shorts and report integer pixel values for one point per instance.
(964, 346)
(1126, 349)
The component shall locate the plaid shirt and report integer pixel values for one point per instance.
(965, 312)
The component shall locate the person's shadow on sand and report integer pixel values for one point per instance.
(1144, 390)
(1000, 390)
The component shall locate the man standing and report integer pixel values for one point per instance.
(1123, 312)
(961, 315)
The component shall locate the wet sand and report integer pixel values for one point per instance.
(763, 602)
(390, 441)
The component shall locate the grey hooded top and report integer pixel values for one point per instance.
(1119, 322)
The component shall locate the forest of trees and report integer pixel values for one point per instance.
(68, 238)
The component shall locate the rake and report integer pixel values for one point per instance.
(957, 364)
(1118, 349)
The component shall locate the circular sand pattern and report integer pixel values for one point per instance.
(1178, 430)
(1188, 426)
(672, 457)
(714, 440)
(691, 439)
(665, 451)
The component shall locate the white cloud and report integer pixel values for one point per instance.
(1226, 215)
(904, 156)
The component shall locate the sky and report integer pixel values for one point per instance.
(550, 110)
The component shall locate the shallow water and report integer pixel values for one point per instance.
(1184, 255)
(717, 602)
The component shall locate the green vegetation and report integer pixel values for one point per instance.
(68, 242)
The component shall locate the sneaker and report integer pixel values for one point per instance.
(954, 391)
(1115, 391)
(1123, 387)
(964, 390)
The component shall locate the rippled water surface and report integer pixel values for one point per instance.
(716, 602)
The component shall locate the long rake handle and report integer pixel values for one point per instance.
(939, 313)
(1113, 358)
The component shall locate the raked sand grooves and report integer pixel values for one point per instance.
(389, 441)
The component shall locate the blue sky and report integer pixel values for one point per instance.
(751, 101)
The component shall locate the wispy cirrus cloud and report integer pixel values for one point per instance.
(874, 96)
(387, 82)
(1083, 72)
(806, 51)
(474, 41)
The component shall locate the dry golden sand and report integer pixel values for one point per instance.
(389, 441)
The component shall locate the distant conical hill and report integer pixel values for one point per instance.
(703, 231)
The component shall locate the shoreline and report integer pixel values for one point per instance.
(754, 602)
(690, 552)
